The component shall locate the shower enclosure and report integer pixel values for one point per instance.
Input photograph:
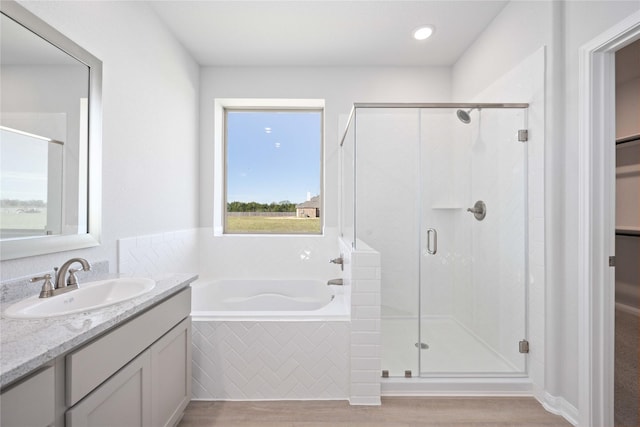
(440, 191)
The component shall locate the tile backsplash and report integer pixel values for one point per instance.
(150, 255)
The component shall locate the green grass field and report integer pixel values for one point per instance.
(272, 225)
(11, 219)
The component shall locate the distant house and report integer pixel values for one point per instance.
(309, 209)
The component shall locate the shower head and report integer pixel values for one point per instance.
(464, 116)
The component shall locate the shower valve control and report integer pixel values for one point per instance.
(479, 210)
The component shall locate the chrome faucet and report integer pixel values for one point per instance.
(62, 282)
(72, 280)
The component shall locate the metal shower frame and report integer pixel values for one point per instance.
(357, 105)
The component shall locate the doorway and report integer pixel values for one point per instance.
(596, 221)
(627, 246)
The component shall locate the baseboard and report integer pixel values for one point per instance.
(559, 406)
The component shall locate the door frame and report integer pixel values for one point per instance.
(596, 220)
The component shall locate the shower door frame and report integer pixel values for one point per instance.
(352, 120)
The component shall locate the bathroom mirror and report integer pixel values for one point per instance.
(50, 138)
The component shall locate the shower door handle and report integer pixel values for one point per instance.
(431, 250)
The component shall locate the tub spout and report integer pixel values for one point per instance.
(336, 282)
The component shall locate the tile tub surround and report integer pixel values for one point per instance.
(362, 274)
(25, 345)
(270, 360)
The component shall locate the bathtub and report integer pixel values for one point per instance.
(268, 300)
(270, 340)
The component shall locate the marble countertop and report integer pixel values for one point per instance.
(26, 345)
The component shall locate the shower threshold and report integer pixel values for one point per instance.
(442, 386)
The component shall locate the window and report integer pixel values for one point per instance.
(273, 164)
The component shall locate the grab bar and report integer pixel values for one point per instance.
(434, 232)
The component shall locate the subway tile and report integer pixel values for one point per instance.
(365, 338)
(365, 273)
(366, 286)
(366, 312)
(365, 363)
(369, 259)
(360, 299)
(365, 389)
(369, 351)
(365, 325)
(365, 376)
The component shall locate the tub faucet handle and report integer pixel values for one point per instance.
(339, 260)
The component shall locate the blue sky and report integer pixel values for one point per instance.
(273, 156)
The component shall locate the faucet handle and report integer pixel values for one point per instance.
(72, 279)
(40, 279)
(339, 261)
(47, 286)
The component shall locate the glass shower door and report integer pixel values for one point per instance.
(387, 219)
(472, 243)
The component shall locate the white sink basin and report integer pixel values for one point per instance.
(89, 296)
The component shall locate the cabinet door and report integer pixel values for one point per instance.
(123, 400)
(30, 403)
(171, 370)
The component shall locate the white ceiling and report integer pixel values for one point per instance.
(325, 33)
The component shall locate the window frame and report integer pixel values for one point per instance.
(221, 109)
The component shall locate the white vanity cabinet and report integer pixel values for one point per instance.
(137, 375)
(123, 400)
(39, 389)
(171, 375)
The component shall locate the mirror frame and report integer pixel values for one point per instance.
(40, 245)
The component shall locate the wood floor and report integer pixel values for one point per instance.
(394, 412)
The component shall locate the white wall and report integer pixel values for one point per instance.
(150, 119)
(583, 21)
(340, 87)
(563, 27)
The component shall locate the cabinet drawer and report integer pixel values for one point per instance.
(123, 400)
(31, 402)
(91, 365)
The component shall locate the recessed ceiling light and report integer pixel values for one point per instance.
(423, 33)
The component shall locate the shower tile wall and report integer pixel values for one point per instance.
(498, 242)
(445, 167)
(525, 83)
